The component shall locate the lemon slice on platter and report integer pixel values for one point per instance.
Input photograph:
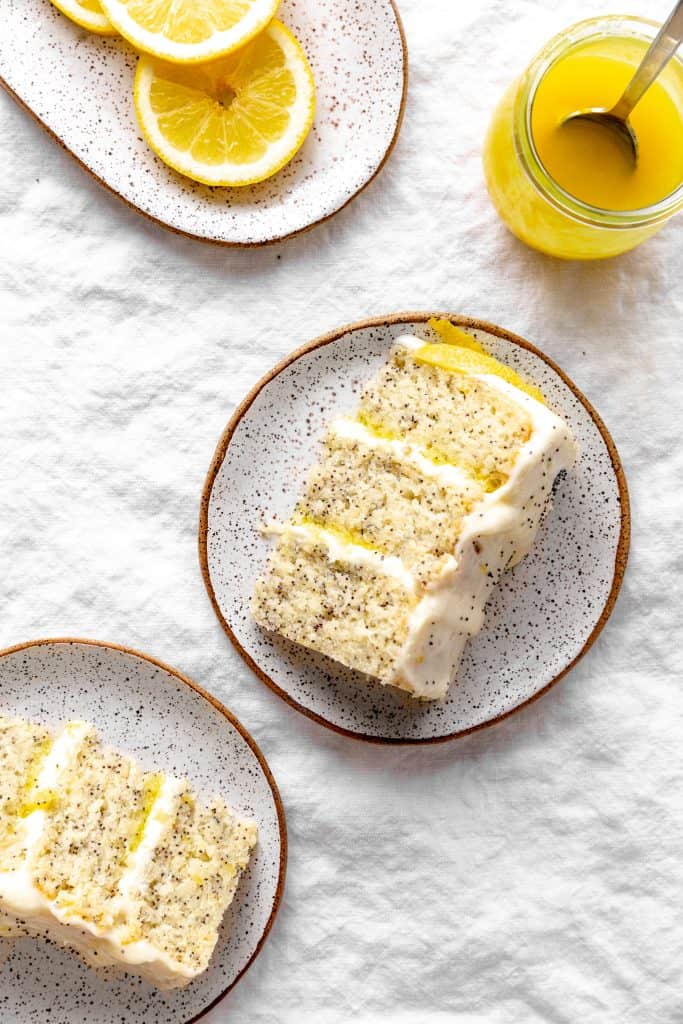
(88, 14)
(234, 121)
(189, 31)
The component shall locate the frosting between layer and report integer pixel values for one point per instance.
(445, 473)
(343, 551)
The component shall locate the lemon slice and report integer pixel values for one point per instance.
(88, 14)
(234, 121)
(189, 31)
(452, 335)
(455, 358)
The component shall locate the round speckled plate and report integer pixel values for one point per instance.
(79, 86)
(541, 619)
(145, 708)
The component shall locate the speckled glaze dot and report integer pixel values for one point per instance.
(84, 96)
(541, 618)
(147, 709)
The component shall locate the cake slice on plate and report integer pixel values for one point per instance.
(126, 867)
(418, 504)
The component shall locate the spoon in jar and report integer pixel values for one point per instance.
(657, 57)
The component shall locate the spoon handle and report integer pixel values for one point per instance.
(660, 53)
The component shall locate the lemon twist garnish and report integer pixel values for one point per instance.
(457, 359)
(452, 335)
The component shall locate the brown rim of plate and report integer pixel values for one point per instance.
(282, 825)
(219, 241)
(620, 561)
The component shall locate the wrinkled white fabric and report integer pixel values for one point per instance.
(526, 875)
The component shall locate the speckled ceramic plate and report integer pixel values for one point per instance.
(80, 87)
(545, 614)
(143, 707)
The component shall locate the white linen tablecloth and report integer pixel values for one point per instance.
(529, 874)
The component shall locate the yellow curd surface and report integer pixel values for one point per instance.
(535, 165)
(589, 161)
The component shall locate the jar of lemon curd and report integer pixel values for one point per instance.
(576, 194)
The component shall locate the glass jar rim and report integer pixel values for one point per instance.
(578, 34)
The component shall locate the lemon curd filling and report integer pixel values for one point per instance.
(44, 801)
(588, 160)
(32, 774)
(152, 790)
(570, 190)
(340, 533)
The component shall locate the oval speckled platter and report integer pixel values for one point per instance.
(145, 708)
(83, 96)
(541, 619)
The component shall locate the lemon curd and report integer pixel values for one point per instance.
(570, 190)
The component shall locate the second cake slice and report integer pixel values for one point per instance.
(126, 867)
(418, 504)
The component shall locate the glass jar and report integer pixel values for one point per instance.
(532, 204)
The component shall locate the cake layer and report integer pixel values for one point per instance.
(386, 495)
(96, 815)
(337, 598)
(30, 818)
(23, 746)
(88, 861)
(190, 879)
(457, 417)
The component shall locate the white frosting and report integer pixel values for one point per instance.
(411, 342)
(449, 476)
(339, 550)
(157, 825)
(496, 535)
(25, 909)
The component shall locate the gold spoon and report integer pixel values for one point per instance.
(657, 57)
